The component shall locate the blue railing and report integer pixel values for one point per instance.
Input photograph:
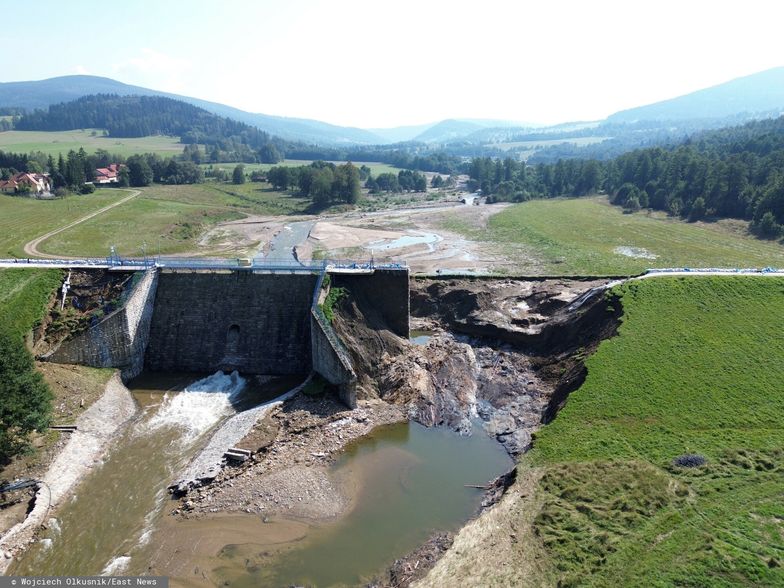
(208, 263)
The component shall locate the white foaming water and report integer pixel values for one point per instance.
(54, 526)
(116, 565)
(199, 406)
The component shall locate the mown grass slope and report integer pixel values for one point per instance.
(24, 219)
(586, 236)
(170, 219)
(696, 369)
(24, 294)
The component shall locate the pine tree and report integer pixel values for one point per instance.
(26, 404)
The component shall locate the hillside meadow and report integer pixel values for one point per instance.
(694, 374)
(170, 219)
(23, 219)
(588, 236)
(55, 142)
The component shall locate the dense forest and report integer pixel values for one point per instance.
(142, 116)
(736, 172)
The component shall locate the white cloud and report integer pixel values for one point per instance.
(81, 70)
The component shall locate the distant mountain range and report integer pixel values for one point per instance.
(43, 93)
(759, 93)
(756, 95)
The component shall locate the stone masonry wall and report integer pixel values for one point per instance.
(256, 323)
(120, 339)
(330, 360)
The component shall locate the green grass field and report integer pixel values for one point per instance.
(695, 369)
(53, 143)
(23, 219)
(582, 237)
(24, 294)
(170, 219)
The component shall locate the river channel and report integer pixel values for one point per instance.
(405, 481)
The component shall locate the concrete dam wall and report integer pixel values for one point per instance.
(253, 322)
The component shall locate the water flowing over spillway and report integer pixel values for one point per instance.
(198, 407)
(116, 506)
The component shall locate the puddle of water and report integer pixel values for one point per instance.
(636, 252)
(428, 239)
(412, 482)
(420, 337)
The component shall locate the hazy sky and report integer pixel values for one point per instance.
(380, 63)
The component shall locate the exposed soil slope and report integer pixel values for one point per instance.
(506, 351)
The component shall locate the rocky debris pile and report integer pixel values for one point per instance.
(524, 313)
(406, 570)
(511, 395)
(289, 474)
(437, 382)
(506, 351)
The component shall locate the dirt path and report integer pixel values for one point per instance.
(31, 248)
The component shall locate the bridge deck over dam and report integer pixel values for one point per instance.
(257, 320)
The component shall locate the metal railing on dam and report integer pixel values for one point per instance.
(264, 265)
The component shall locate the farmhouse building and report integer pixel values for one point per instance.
(108, 175)
(36, 183)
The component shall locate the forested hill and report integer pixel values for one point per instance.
(736, 172)
(141, 116)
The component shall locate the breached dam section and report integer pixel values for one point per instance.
(248, 320)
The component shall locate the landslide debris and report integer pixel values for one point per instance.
(506, 351)
(92, 295)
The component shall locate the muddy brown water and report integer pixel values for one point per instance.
(406, 482)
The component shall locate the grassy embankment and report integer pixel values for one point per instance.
(696, 369)
(580, 237)
(24, 295)
(52, 143)
(173, 217)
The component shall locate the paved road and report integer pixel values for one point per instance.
(31, 248)
(283, 244)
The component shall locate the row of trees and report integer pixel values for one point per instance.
(147, 168)
(72, 171)
(26, 399)
(322, 181)
(404, 181)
